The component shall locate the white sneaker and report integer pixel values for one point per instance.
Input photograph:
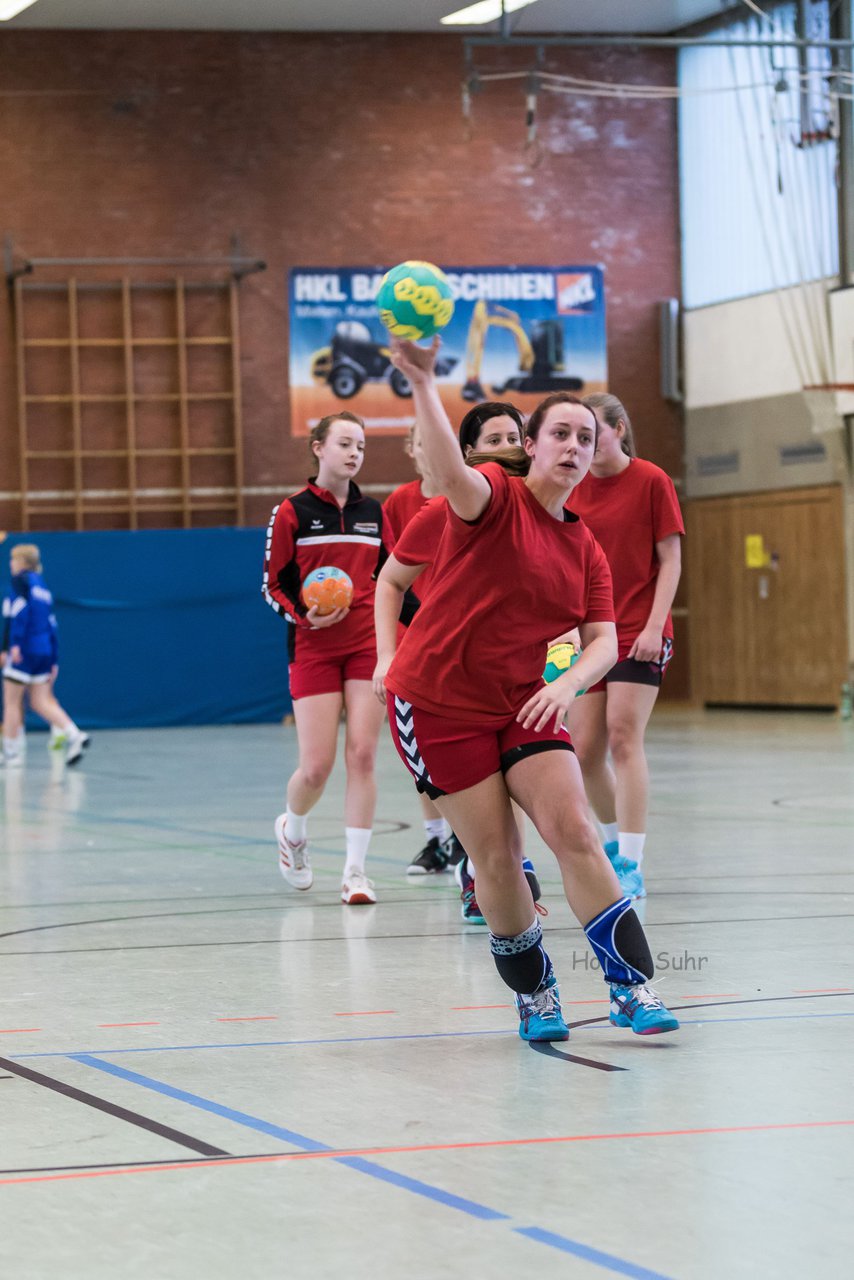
(11, 759)
(77, 744)
(293, 858)
(356, 888)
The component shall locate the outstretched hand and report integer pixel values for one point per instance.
(414, 362)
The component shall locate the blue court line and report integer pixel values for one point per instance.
(595, 1256)
(471, 1207)
(420, 1035)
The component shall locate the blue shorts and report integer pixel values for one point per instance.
(34, 668)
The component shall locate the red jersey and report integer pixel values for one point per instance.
(504, 586)
(419, 542)
(309, 530)
(629, 513)
(399, 508)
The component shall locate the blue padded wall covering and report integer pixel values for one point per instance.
(163, 627)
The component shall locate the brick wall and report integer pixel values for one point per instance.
(334, 150)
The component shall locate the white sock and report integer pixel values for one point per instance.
(631, 845)
(72, 730)
(296, 826)
(470, 867)
(358, 839)
(437, 829)
(610, 831)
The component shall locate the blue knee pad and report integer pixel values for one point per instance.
(618, 940)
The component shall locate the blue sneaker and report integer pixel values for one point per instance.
(470, 911)
(540, 1016)
(641, 1009)
(628, 872)
(531, 877)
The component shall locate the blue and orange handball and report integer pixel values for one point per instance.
(327, 589)
(414, 300)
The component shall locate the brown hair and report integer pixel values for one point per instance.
(28, 552)
(560, 397)
(613, 412)
(318, 434)
(476, 419)
(513, 459)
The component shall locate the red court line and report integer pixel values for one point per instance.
(261, 1017)
(128, 1024)
(16, 1031)
(365, 1013)
(215, 1162)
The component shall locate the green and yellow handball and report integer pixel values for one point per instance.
(414, 300)
(560, 658)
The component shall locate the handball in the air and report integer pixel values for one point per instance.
(414, 300)
(560, 658)
(327, 589)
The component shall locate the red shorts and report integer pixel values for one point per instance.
(445, 756)
(319, 673)
(630, 671)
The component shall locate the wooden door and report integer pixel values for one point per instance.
(767, 584)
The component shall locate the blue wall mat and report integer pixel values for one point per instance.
(163, 627)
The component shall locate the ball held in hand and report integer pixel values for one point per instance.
(327, 589)
(414, 300)
(560, 658)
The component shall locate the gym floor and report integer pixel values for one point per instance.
(205, 1073)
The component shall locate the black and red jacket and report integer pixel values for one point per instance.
(307, 531)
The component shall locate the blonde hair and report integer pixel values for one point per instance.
(30, 554)
(614, 412)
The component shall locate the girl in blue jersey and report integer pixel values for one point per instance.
(29, 657)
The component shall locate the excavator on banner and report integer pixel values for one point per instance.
(540, 355)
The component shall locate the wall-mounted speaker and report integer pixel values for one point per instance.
(670, 323)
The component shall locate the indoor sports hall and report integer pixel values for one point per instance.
(209, 1068)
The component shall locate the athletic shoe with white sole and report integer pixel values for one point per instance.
(640, 1008)
(77, 744)
(628, 872)
(454, 850)
(356, 889)
(540, 1016)
(430, 861)
(293, 858)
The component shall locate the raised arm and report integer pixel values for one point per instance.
(467, 491)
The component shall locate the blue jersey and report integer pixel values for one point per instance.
(28, 618)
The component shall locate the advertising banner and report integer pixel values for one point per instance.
(517, 333)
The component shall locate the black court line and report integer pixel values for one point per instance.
(725, 1004)
(551, 1051)
(380, 937)
(110, 1108)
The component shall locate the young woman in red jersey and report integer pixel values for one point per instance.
(632, 509)
(489, 426)
(471, 717)
(332, 657)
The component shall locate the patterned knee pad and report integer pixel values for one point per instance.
(617, 937)
(521, 961)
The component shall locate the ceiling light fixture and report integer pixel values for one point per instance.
(484, 11)
(11, 8)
